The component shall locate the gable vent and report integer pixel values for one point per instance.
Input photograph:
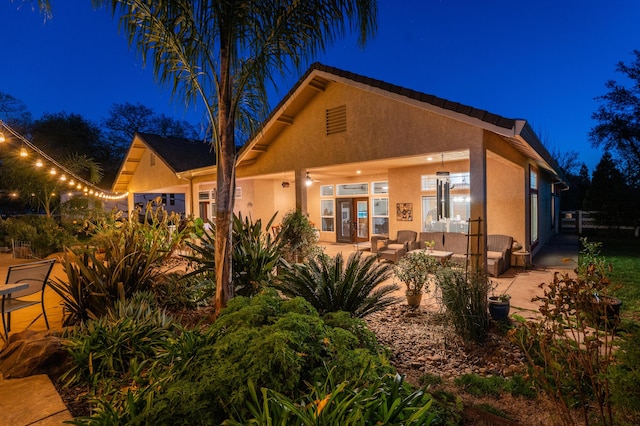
(336, 120)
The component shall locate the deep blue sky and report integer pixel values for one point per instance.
(541, 60)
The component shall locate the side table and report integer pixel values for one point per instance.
(524, 256)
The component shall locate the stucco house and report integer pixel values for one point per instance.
(379, 158)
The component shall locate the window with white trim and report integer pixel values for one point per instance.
(380, 216)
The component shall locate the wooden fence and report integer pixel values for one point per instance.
(579, 220)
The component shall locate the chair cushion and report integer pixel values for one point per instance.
(395, 246)
(494, 254)
(381, 244)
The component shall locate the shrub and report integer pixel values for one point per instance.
(44, 234)
(174, 291)
(131, 333)
(134, 254)
(274, 343)
(465, 297)
(298, 238)
(331, 285)
(570, 359)
(254, 258)
(386, 401)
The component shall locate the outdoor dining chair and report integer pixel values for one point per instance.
(36, 276)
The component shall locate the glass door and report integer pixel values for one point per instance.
(353, 220)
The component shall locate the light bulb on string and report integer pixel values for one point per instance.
(72, 182)
(23, 152)
(53, 171)
(39, 162)
(63, 178)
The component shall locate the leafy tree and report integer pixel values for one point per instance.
(124, 120)
(14, 112)
(579, 184)
(618, 128)
(608, 194)
(224, 53)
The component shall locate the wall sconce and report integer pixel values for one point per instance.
(308, 182)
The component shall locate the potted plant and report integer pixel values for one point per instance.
(499, 307)
(415, 270)
(429, 245)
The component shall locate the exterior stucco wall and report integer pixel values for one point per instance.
(505, 198)
(148, 178)
(377, 128)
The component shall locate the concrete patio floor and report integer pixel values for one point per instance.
(34, 400)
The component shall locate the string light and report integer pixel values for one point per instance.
(80, 183)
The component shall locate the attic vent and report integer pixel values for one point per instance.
(337, 120)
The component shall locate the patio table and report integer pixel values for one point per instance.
(442, 256)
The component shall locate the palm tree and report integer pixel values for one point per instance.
(224, 53)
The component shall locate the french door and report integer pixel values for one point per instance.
(353, 220)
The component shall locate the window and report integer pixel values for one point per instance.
(446, 202)
(380, 216)
(353, 189)
(327, 215)
(326, 191)
(380, 187)
(533, 194)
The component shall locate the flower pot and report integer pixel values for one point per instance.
(414, 299)
(605, 311)
(498, 309)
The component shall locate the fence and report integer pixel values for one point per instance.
(579, 220)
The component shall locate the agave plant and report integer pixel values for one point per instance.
(332, 285)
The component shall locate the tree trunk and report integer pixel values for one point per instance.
(225, 185)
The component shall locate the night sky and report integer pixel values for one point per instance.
(541, 60)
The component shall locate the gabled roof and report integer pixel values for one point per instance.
(319, 76)
(179, 154)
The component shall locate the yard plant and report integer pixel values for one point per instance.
(333, 284)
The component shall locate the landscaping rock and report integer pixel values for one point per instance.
(34, 352)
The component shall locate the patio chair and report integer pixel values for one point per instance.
(498, 253)
(393, 250)
(36, 275)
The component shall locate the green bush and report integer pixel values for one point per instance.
(385, 401)
(298, 238)
(465, 297)
(254, 258)
(44, 234)
(331, 285)
(495, 386)
(132, 332)
(569, 359)
(274, 343)
(128, 257)
(175, 291)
